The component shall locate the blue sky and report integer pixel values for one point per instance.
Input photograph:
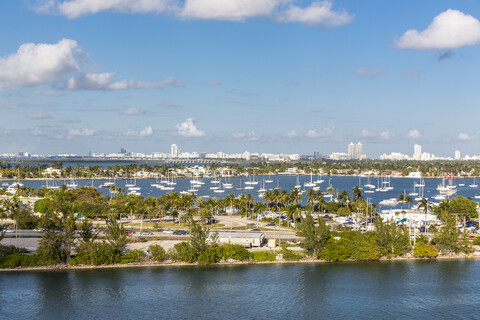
(279, 76)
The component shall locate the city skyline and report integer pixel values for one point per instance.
(264, 76)
(353, 152)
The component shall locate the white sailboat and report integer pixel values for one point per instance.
(474, 184)
(297, 185)
(311, 183)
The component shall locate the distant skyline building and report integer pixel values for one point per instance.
(359, 151)
(417, 152)
(174, 151)
(458, 155)
(351, 151)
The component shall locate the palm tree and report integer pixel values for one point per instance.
(357, 193)
(312, 198)
(425, 205)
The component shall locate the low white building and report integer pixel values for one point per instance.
(409, 217)
(246, 239)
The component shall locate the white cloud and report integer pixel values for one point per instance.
(317, 14)
(292, 134)
(132, 111)
(450, 29)
(248, 136)
(233, 10)
(314, 133)
(76, 8)
(385, 135)
(81, 132)
(465, 137)
(369, 74)
(413, 134)
(104, 82)
(39, 115)
(145, 132)
(36, 64)
(189, 129)
(365, 133)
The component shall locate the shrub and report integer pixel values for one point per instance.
(423, 250)
(157, 252)
(182, 252)
(233, 251)
(336, 250)
(290, 255)
(10, 249)
(95, 253)
(24, 260)
(142, 239)
(366, 251)
(133, 256)
(263, 256)
(209, 256)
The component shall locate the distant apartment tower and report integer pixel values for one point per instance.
(174, 151)
(351, 151)
(317, 155)
(417, 152)
(458, 155)
(359, 151)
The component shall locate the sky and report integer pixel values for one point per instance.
(274, 76)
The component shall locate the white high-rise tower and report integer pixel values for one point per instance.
(351, 151)
(174, 151)
(417, 152)
(359, 151)
(458, 155)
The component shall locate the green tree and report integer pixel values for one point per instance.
(117, 237)
(315, 237)
(198, 238)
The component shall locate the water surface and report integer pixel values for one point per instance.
(382, 290)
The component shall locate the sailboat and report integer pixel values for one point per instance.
(319, 180)
(474, 185)
(269, 180)
(262, 189)
(369, 185)
(220, 189)
(297, 185)
(311, 183)
(228, 185)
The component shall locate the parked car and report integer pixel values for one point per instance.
(271, 224)
(129, 231)
(180, 233)
(254, 230)
(146, 233)
(168, 231)
(127, 226)
(9, 231)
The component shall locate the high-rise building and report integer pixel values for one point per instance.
(417, 152)
(458, 155)
(359, 151)
(174, 151)
(351, 151)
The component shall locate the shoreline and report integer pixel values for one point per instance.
(169, 263)
(240, 176)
